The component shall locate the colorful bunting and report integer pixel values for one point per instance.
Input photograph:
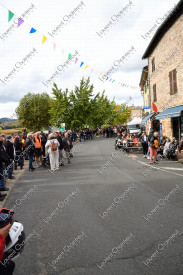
(86, 66)
(113, 81)
(110, 80)
(107, 78)
(10, 16)
(81, 64)
(20, 21)
(33, 30)
(44, 39)
(69, 56)
(76, 60)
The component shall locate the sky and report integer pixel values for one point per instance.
(98, 33)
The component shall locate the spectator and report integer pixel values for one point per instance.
(52, 146)
(43, 142)
(38, 149)
(61, 147)
(144, 140)
(166, 147)
(172, 148)
(18, 153)
(4, 160)
(10, 152)
(66, 143)
(154, 144)
(8, 268)
(31, 151)
(162, 145)
(180, 148)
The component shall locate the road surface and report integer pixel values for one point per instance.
(105, 213)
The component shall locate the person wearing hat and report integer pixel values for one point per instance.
(10, 151)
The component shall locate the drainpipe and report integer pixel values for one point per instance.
(149, 85)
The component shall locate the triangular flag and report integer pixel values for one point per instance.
(121, 84)
(54, 45)
(110, 80)
(69, 56)
(154, 107)
(107, 78)
(81, 64)
(86, 66)
(113, 81)
(10, 16)
(76, 60)
(20, 21)
(118, 83)
(33, 30)
(44, 39)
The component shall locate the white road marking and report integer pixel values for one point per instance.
(160, 168)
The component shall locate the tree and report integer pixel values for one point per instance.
(33, 111)
(81, 108)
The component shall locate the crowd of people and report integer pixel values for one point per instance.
(151, 144)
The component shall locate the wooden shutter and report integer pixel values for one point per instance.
(154, 93)
(171, 82)
(174, 81)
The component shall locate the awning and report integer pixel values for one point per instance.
(144, 121)
(170, 112)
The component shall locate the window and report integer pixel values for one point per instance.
(173, 82)
(154, 93)
(153, 64)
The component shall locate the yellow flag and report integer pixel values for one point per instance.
(44, 39)
(86, 66)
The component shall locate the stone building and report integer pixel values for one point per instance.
(165, 75)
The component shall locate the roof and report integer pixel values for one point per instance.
(171, 112)
(165, 26)
(144, 76)
(135, 121)
(144, 121)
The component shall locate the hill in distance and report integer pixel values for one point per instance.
(6, 119)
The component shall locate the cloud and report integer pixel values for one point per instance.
(77, 34)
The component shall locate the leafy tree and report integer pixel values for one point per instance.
(33, 111)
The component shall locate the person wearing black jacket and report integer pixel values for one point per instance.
(61, 147)
(43, 142)
(30, 150)
(66, 144)
(4, 161)
(144, 141)
(10, 151)
(18, 153)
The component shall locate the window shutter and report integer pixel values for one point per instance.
(171, 83)
(175, 81)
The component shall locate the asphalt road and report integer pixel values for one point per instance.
(105, 213)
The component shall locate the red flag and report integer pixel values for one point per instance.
(154, 107)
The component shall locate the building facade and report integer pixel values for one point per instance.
(165, 74)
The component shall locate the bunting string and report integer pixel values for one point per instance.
(44, 39)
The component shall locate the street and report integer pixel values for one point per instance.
(105, 213)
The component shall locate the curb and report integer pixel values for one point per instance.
(11, 185)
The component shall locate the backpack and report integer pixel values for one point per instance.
(53, 146)
(156, 143)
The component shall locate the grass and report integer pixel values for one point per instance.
(12, 131)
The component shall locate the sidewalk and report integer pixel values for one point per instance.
(11, 183)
